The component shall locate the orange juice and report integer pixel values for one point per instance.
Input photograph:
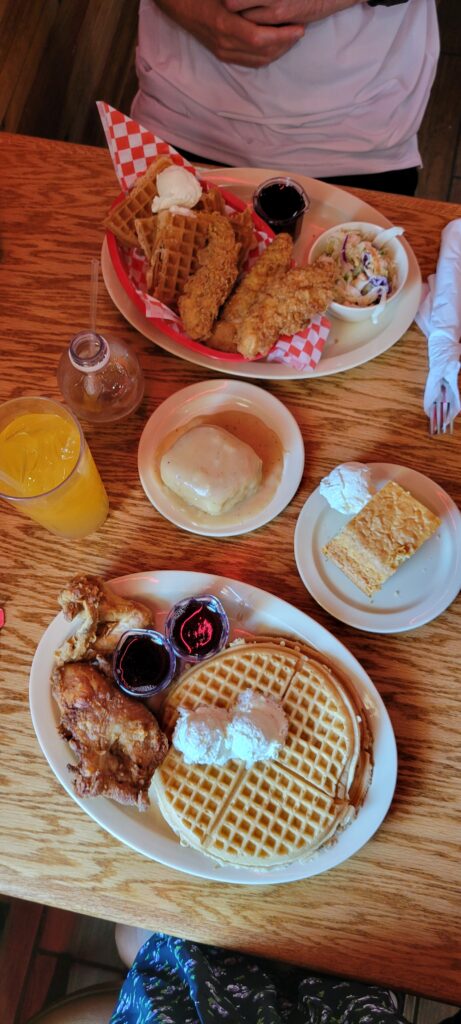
(46, 468)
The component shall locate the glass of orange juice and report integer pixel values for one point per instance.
(46, 467)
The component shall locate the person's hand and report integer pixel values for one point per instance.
(286, 12)
(232, 38)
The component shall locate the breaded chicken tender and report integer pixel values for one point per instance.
(207, 288)
(272, 264)
(116, 740)
(285, 307)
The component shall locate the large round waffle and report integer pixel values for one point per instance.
(278, 810)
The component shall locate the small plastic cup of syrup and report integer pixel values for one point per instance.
(144, 664)
(197, 628)
(281, 203)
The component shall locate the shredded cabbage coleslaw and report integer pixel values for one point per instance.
(367, 275)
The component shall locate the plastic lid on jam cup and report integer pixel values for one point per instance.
(143, 654)
(197, 627)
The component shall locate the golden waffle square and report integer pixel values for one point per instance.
(391, 527)
(360, 773)
(273, 817)
(179, 239)
(146, 231)
(323, 741)
(194, 795)
(211, 201)
(277, 810)
(136, 204)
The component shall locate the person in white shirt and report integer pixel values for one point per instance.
(332, 89)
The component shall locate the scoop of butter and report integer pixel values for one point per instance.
(176, 187)
(211, 469)
(348, 487)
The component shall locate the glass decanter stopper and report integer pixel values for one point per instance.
(100, 378)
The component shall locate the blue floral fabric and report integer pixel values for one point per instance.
(173, 981)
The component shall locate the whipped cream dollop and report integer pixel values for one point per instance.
(176, 187)
(201, 735)
(258, 728)
(348, 487)
(254, 729)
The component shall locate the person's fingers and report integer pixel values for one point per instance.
(253, 60)
(255, 45)
(238, 6)
(267, 16)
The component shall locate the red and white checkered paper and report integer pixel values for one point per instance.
(132, 149)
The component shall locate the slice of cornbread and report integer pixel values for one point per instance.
(387, 531)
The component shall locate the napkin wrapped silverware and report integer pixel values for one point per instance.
(439, 317)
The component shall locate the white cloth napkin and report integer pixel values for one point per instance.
(439, 317)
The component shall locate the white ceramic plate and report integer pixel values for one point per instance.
(204, 399)
(252, 610)
(420, 589)
(348, 344)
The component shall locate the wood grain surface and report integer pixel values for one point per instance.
(391, 912)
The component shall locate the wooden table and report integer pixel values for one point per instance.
(390, 913)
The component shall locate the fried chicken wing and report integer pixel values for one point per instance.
(208, 287)
(272, 264)
(285, 307)
(117, 741)
(102, 618)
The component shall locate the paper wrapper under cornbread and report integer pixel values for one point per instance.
(391, 527)
(280, 810)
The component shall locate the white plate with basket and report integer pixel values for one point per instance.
(250, 610)
(348, 344)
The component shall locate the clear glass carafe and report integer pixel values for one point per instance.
(100, 378)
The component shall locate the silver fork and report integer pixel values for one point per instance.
(440, 421)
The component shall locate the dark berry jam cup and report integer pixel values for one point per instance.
(197, 628)
(144, 663)
(281, 203)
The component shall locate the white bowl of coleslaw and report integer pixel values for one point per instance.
(369, 277)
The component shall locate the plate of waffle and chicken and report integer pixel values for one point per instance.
(233, 289)
(299, 813)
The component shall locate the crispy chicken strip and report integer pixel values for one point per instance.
(101, 618)
(116, 740)
(286, 307)
(209, 286)
(272, 264)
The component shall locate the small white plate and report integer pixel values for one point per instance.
(205, 399)
(253, 611)
(420, 589)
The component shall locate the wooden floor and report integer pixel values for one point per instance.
(46, 954)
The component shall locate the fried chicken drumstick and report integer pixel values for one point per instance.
(117, 741)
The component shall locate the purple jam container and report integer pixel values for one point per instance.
(197, 628)
(281, 203)
(144, 663)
